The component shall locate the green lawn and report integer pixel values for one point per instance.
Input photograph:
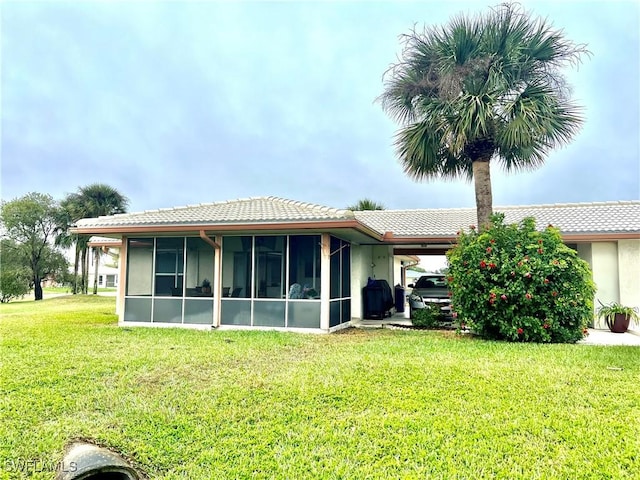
(67, 289)
(364, 404)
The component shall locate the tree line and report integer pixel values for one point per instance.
(35, 228)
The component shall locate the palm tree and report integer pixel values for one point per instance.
(99, 199)
(366, 204)
(72, 209)
(90, 201)
(480, 89)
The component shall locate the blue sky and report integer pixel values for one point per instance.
(178, 103)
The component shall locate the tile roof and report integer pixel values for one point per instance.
(242, 211)
(571, 218)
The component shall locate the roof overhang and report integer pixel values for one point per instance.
(350, 229)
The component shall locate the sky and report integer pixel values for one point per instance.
(181, 102)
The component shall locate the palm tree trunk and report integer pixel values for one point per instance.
(83, 279)
(76, 266)
(86, 272)
(484, 198)
(96, 259)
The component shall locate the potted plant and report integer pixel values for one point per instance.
(617, 316)
(206, 286)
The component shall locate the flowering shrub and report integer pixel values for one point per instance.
(515, 283)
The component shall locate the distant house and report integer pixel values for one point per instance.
(269, 262)
(108, 266)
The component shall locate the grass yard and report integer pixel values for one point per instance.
(363, 404)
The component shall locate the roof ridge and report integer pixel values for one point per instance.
(507, 207)
(300, 203)
(573, 204)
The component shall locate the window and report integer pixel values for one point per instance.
(271, 280)
(236, 280)
(140, 267)
(269, 272)
(200, 260)
(169, 269)
(304, 267)
(340, 282)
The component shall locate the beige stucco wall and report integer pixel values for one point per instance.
(360, 271)
(369, 261)
(605, 271)
(382, 261)
(629, 274)
(604, 262)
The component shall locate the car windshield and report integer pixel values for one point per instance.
(431, 282)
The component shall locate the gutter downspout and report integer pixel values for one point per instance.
(217, 281)
(207, 239)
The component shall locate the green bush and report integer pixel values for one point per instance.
(428, 317)
(14, 284)
(515, 283)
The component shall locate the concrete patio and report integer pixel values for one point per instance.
(595, 337)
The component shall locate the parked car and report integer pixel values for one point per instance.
(430, 288)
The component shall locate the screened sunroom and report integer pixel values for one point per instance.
(236, 281)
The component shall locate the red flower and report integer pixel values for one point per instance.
(585, 331)
(528, 296)
(528, 274)
(513, 274)
(455, 315)
(449, 293)
(449, 278)
(554, 294)
(540, 241)
(483, 264)
(546, 280)
(520, 331)
(492, 241)
(503, 296)
(492, 265)
(488, 249)
(545, 326)
(472, 227)
(540, 251)
(492, 295)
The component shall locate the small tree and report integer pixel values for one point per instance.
(512, 282)
(31, 222)
(14, 276)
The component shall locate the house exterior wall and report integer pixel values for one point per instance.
(629, 274)
(604, 263)
(360, 272)
(382, 261)
(397, 272)
(369, 261)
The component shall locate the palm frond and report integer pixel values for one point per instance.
(481, 88)
(424, 157)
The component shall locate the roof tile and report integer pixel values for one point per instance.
(245, 211)
(571, 218)
(605, 217)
